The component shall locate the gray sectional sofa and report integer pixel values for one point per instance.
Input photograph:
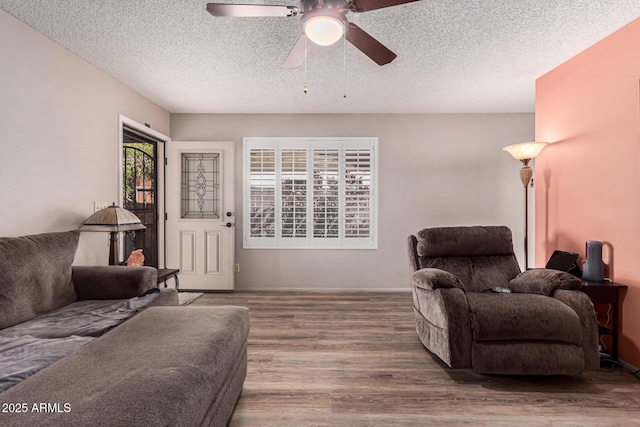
(103, 346)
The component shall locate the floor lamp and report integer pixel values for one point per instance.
(525, 151)
(113, 219)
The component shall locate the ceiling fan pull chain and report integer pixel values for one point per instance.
(305, 64)
(344, 62)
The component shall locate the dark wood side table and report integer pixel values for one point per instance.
(606, 293)
(166, 273)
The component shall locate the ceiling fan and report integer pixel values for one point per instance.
(324, 22)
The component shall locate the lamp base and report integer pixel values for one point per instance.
(526, 227)
(114, 256)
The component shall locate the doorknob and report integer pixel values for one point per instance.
(228, 225)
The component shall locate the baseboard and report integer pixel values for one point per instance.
(271, 289)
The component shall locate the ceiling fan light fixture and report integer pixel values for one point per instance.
(324, 26)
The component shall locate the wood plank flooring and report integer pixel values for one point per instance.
(354, 359)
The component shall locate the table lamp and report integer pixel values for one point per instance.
(113, 219)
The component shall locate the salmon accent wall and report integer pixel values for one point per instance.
(588, 180)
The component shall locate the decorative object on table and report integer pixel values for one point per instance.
(114, 220)
(136, 258)
(564, 261)
(593, 267)
(525, 152)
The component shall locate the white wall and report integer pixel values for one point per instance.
(434, 170)
(59, 137)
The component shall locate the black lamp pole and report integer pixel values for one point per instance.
(114, 257)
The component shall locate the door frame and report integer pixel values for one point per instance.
(160, 184)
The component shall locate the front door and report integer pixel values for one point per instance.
(200, 213)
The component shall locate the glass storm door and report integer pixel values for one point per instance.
(139, 161)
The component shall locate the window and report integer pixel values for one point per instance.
(310, 193)
(200, 185)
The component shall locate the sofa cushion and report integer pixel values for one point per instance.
(35, 275)
(477, 273)
(481, 257)
(544, 281)
(522, 317)
(464, 241)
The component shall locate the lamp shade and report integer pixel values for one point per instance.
(525, 150)
(324, 26)
(113, 218)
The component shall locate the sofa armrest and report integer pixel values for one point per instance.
(543, 281)
(582, 305)
(434, 278)
(112, 282)
(443, 324)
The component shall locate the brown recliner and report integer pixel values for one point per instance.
(544, 326)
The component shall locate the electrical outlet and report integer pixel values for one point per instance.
(99, 205)
(236, 268)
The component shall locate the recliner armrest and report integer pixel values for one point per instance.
(434, 278)
(582, 305)
(543, 281)
(112, 282)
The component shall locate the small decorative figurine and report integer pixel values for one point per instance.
(136, 258)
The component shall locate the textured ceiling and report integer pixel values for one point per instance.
(453, 55)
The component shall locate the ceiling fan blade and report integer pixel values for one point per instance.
(250, 10)
(296, 57)
(367, 5)
(368, 45)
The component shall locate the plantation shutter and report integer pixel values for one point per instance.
(310, 193)
(293, 181)
(262, 202)
(357, 179)
(326, 193)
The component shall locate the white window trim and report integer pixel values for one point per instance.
(309, 242)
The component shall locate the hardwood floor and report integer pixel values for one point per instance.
(354, 359)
